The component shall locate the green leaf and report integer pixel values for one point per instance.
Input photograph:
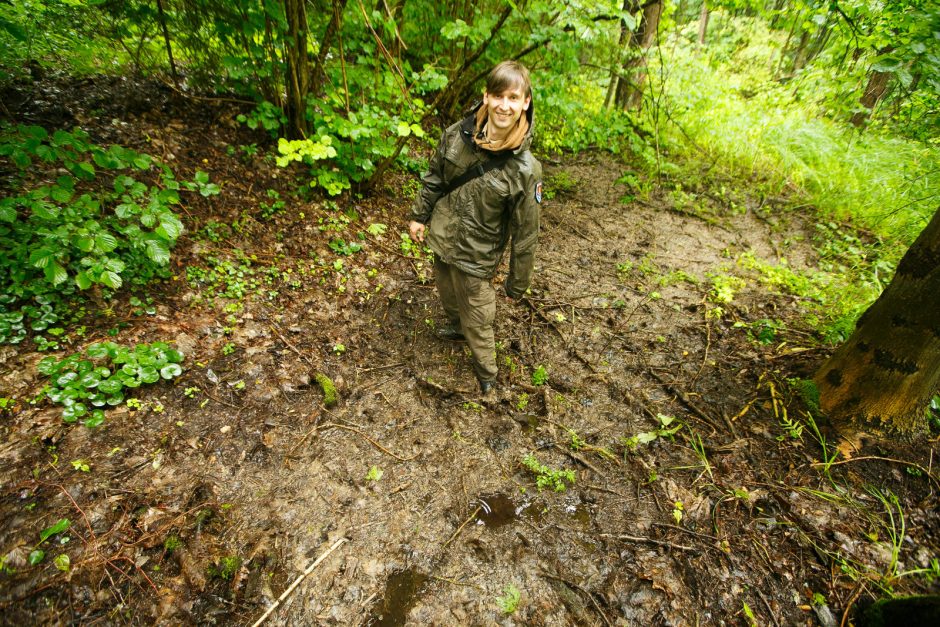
(41, 257)
(83, 366)
(174, 356)
(61, 525)
(202, 177)
(95, 420)
(110, 279)
(171, 370)
(61, 195)
(21, 159)
(171, 225)
(116, 399)
(86, 171)
(48, 365)
(158, 251)
(403, 130)
(66, 379)
(90, 380)
(105, 241)
(97, 351)
(149, 374)
(126, 209)
(84, 243)
(62, 562)
(55, 273)
(36, 556)
(7, 210)
(142, 162)
(82, 280)
(13, 29)
(111, 386)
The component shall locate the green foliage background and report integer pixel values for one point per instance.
(765, 100)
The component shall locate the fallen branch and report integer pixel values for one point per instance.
(671, 545)
(460, 528)
(292, 347)
(587, 593)
(578, 458)
(297, 581)
(370, 440)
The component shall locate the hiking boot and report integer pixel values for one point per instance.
(488, 388)
(451, 332)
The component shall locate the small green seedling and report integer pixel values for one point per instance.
(375, 473)
(509, 602)
(37, 555)
(665, 430)
(546, 477)
(677, 510)
(81, 465)
(540, 376)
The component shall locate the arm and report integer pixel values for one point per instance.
(524, 230)
(432, 186)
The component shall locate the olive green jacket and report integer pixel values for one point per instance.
(470, 227)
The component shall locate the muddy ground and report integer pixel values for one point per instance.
(204, 503)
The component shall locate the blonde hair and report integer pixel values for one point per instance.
(509, 75)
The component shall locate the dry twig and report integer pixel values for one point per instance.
(297, 581)
(370, 440)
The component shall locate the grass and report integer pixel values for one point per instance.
(752, 126)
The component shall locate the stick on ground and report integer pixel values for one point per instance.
(297, 581)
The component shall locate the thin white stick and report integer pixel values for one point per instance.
(298, 580)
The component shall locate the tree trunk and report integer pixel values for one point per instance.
(885, 374)
(702, 23)
(332, 30)
(876, 88)
(166, 38)
(617, 62)
(633, 72)
(799, 56)
(298, 68)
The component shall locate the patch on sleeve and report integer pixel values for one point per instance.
(538, 192)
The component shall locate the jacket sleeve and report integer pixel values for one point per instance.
(432, 185)
(524, 229)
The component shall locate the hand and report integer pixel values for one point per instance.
(417, 231)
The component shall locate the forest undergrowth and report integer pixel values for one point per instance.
(650, 458)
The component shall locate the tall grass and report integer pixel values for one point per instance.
(728, 110)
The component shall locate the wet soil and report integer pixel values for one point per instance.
(205, 503)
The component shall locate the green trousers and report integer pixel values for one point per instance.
(470, 302)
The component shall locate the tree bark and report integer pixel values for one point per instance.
(876, 88)
(332, 30)
(166, 38)
(633, 73)
(885, 374)
(799, 55)
(298, 68)
(615, 68)
(703, 24)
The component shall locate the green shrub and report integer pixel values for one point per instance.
(101, 376)
(78, 219)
